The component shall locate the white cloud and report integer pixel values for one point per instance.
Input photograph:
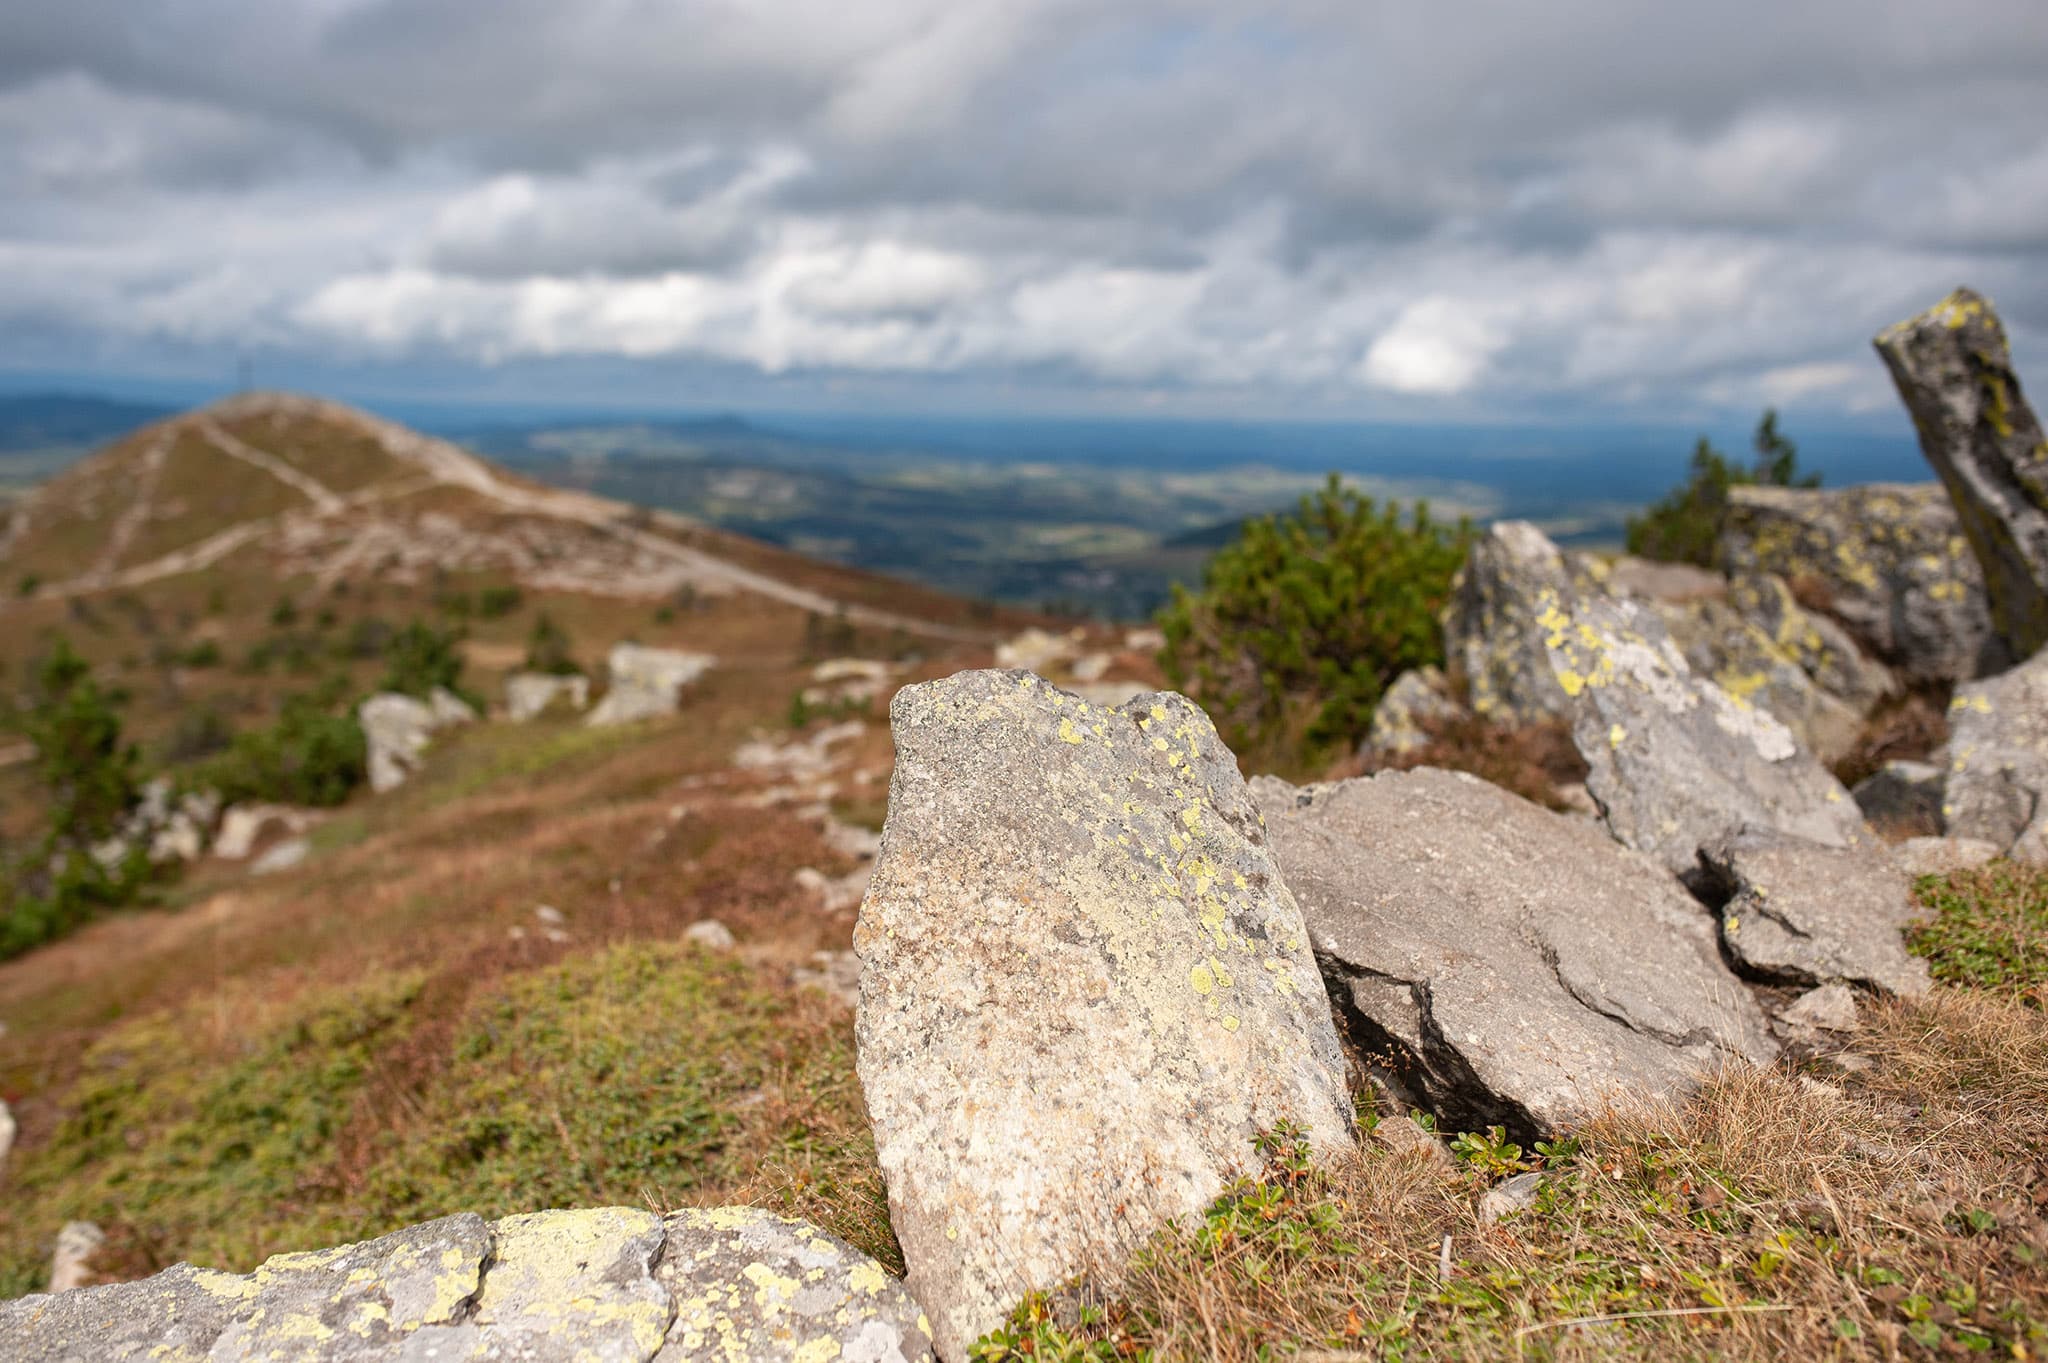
(1436, 346)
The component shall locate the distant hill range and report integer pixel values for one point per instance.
(294, 487)
(42, 432)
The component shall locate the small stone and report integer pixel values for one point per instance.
(710, 934)
(397, 729)
(550, 915)
(1417, 697)
(835, 972)
(1830, 1008)
(8, 1130)
(1509, 1196)
(1404, 1136)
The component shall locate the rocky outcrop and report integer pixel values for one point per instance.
(645, 683)
(1801, 913)
(1513, 965)
(243, 827)
(529, 694)
(1084, 988)
(613, 1284)
(1418, 697)
(1889, 560)
(1954, 370)
(1739, 656)
(1998, 761)
(398, 727)
(1674, 761)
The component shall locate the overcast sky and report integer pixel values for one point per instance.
(1442, 210)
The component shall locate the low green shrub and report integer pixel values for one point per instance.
(308, 756)
(1685, 527)
(1303, 620)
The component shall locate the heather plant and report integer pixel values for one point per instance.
(1303, 621)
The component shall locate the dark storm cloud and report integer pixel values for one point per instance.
(1328, 198)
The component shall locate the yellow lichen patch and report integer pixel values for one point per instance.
(1202, 980)
(1615, 736)
(1571, 681)
(868, 1277)
(1068, 733)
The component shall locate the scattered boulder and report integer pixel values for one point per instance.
(8, 1130)
(848, 681)
(643, 683)
(1954, 370)
(1084, 988)
(1902, 795)
(1801, 913)
(835, 972)
(835, 894)
(1674, 761)
(710, 934)
(286, 856)
(1821, 648)
(1888, 559)
(529, 694)
(1036, 650)
(398, 727)
(78, 1244)
(1417, 696)
(1515, 965)
(242, 827)
(613, 1284)
(1998, 761)
(1942, 856)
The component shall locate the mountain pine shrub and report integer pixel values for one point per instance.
(1303, 620)
(1684, 527)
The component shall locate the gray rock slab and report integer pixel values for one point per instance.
(1744, 659)
(173, 1317)
(1953, 368)
(1674, 761)
(1801, 913)
(1516, 964)
(644, 683)
(529, 694)
(1084, 988)
(358, 1303)
(1998, 761)
(748, 1284)
(1827, 1008)
(1889, 559)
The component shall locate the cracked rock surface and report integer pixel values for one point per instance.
(1516, 965)
(1800, 913)
(606, 1285)
(1954, 370)
(1084, 988)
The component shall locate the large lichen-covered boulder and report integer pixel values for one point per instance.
(1800, 913)
(1675, 762)
(645, 683)
(1889, 559)
(1817, 644)
(605, 1285)
(1954, 370)
(1084, 989)
(1490, 629)
(1998, 761)
(1509, 965)
(1738, 655)
(529, 694)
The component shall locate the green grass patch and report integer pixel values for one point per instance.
(1987, 929)
(643, 1074)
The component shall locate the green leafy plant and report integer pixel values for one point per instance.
(1491, 1152)
(420, 658)
(1685, 526)
(307, 757)
(1303, 620)
(547, 649)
